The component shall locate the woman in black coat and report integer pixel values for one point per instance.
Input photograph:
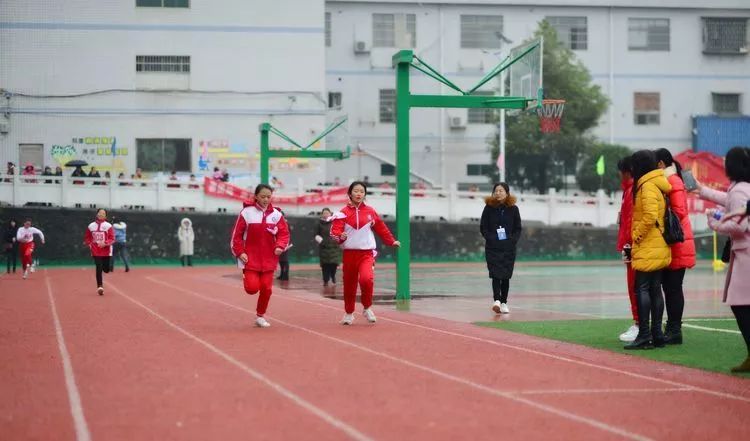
(329, 250)
(501, 228)
(10, 245)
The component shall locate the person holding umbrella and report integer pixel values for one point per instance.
(78, 172)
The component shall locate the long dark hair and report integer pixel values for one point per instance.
(261, 187)
(355, 183)
(737, 164)
(665, 156)
(644, 161)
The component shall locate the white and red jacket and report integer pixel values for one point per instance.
(26, 235)
(359, 222)
(100, 231)
(258, 233)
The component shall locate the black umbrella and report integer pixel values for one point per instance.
(76, 163)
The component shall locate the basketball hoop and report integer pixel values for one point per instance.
(550, 113)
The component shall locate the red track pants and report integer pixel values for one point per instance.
(631, 292)
(259, 281)
(358, 269)
(26, 250)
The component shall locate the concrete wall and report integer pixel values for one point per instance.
(152, 238)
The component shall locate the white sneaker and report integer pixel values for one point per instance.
(630, 334)
(348, 319)
(100, 291)
(496, 307)
(33, 268)
(504, 308)
(262, 323)
(26, 274)
(369, 315)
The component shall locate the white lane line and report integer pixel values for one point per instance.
(709, 319)
(602, 391)
(296, 399)
(539, 406)
(538, 352)
(706, 328)
(74, 396)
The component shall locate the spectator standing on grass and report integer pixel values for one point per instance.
(259, 237)
(737, 285)
(99, 238)
(186, 236)
(10, 245)
(683, 253)
(625, 239)
(329, 252)
(650, 253)
(500, 227)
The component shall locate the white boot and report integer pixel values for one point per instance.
(262, 323)
(496, 307)
(630, 334)
(504, 308)
(348, 319)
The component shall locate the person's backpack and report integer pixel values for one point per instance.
(672, 228)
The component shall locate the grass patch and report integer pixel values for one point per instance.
(702, 349)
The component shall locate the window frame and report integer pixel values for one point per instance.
(646, 117)
(390, 117)
(721, 23)
(389, 38)
(488, 115)
(331, 96)
(558, 24)
(387, 169)
(328, 29)
(182, 63)
(163, 141)
(646, 25)
(465, 31)
(719, 95)
(162, 5)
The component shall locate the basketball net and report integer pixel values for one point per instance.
(550, 114)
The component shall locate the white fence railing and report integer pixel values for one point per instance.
(164, 195)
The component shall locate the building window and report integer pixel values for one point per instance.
(481, 31)
(387, 105)
(328, 29)
(646, 108)
(394, 30)
(481, 116)
(387, 170)
(162, 63)
(163, 155)
(726, 103)
(334, 100)
(648, 34)
(571, 31)
(479, 169)
(725, 35)
(163, 3)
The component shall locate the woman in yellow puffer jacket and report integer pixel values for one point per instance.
(650, 252)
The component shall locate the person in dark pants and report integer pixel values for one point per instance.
(683, 253)
(329, 251)
(10, 245)
(120, 247)
(650, 253)
(99, 238)
(501, 228)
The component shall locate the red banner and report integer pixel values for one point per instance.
(708, 169)
(212, 187)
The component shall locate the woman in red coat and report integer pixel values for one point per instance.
(683, 253)
(99, 238)
(625, 240)
(260, 235)
(353, 228)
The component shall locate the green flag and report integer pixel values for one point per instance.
(600, 166)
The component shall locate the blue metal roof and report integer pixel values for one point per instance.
(718, 134)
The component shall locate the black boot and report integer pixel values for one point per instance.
(673, 334)
(643, 341)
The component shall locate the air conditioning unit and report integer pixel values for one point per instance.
(361, 47)
(457, 122)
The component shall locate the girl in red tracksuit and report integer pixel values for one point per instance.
(353, 228)
(25, 239)
(625, 239)
(99, 238)
(260, 235)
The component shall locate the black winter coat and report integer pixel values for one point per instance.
(328, 250)
(9, 237)
(500, 254)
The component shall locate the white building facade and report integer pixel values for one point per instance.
(169, 84)
(660, 63)
(183, 84)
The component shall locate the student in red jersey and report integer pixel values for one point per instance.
(99, 238)
(353, 228)
(25, 239)
(624, 240)
(260, 235)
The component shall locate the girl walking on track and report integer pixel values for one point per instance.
(25, 239)
(353, 228)
(501, 228)
(260, 235)
(99, 238)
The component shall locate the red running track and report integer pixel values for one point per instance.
(171, 354)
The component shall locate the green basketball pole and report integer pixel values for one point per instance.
(403, 61)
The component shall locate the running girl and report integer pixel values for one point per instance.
(99, 238)
(25, 239)
(353, 228)
(260, 235)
